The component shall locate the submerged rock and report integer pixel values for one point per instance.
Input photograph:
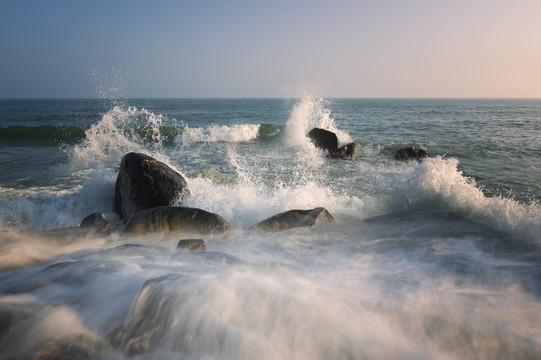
(295, 218)
(350, 150)
(97, 222)
(165, 219)
(191, 245)
(323, 139)
(143, 183)
(411, 153)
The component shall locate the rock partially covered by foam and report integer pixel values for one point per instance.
(350, 150)
(323, 139)
(327, 140)
(411, 153)
(165, 219)
(96, 222)
(296, 218)
(191, 245)
(143, 183)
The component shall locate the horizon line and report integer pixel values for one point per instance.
(268, 97)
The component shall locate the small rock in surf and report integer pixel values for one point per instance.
(411, 153)
(98, 222)
(350, 150)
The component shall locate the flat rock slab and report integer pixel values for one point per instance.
(296, 218)
(191, 245)
(165, 219)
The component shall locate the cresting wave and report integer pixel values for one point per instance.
(42, 135)
(438, 184)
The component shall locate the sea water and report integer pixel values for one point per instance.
(438, 259)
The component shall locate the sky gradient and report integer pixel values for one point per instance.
(204, 48)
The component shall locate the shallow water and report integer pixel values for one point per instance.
(437, 259)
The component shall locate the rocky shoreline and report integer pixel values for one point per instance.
(145, 188)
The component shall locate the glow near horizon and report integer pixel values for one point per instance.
(274, 49)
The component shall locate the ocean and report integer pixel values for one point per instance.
(431, 259)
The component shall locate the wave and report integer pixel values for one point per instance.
(309, 113)
(220, 133)
(50, 135)
(45, 135)
(436, 184)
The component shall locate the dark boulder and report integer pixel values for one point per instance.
(411, 153)
(323, 139)
(191, 245)
(97, 222)
(295, 218)
(350, 150)
(143, 183)
(166, 219)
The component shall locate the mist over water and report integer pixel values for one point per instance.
(437, 259)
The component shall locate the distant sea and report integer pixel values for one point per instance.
(437, 259)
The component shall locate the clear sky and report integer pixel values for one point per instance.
(275, 48)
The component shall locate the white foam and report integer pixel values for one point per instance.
(309, 113)
(215, 133)
(253, 198)
(114, 136)
(53, 207)
(436, 183)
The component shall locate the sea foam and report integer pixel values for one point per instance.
(436, 183)
(215, 133)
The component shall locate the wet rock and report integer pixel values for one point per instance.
(75, 347)
(191, 245)
(411, 153)
(350, 150)
(323, 139)
(97, 222)
(165, 219)
(295, 218)
(144, 183)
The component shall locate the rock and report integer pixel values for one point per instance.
(98, 222)
(143, 183)
(323, 139)
(165, 219)
(191, 245)
(411, 153)
(295, 218)
(350, 150)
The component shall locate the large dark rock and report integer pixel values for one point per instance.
(143, 183)
(411, 153)
(295, 218)
(323, 139)
(96, 222)
(166, 219)
(350, 150)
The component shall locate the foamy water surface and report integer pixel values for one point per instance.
(425, 260)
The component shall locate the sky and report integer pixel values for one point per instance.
(278, 48)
